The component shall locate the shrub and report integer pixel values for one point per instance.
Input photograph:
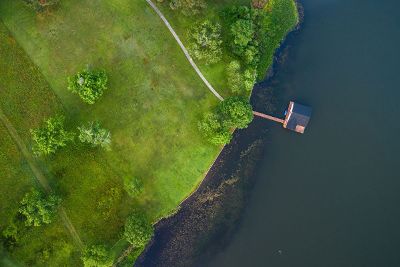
(236, 112)
(95, 135)
(240, 82)
(235, 79)
(51, 136)
(88, 84)
(10, 236)
(38, 209)
(205, 42)
(249, 79)
(96, 256)
(138, 231)
(188, 7)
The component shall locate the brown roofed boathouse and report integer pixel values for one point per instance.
(297, 117)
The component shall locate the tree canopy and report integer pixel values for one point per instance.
(233, 112)
(51, 136)
(38, 209)
(205, 41)
(96, 256)
(88, 84)
(236, 112)
(138, 231)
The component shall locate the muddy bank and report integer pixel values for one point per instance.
(209, 218)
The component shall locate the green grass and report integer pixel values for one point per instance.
(152, 107)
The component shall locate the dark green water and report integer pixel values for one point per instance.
(332, 196)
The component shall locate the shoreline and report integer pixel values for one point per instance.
(251, 140)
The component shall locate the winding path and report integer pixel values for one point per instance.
(185, 51)
(39, 175)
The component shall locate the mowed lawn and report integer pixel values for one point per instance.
(152, 107)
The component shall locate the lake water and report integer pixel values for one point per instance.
(331, 197)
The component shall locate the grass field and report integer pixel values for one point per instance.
(152, 107)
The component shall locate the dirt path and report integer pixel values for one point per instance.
(185, 51)
(39, 175)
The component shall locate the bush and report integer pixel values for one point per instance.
(95, 135)
(188, 7)
(10, 236)
(240, 82)
(138, 231)
(51, 136)
(236, 112)
(235, 79)
(38, 209)
(96, 256)
(88, 84)
(249, 79)
(205, 42)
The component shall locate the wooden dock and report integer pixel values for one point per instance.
(268, 117)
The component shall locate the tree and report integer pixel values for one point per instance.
(50, 137)
(37, 208)
(138, 231)
(88, 84)
(188, 7)
(214, 130)
(242, 32)
(96, 256)
(95, 135)
(205, 41)
(236, 112)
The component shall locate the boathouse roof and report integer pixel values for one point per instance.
(297, 117)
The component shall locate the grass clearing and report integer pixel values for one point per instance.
(152, 107)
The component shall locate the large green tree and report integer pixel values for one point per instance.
(233, 112)
(38, 209)
(51, 136)
(88, 84)
(205, 41)
(96, 256)
(138, 231)
(236, 112)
